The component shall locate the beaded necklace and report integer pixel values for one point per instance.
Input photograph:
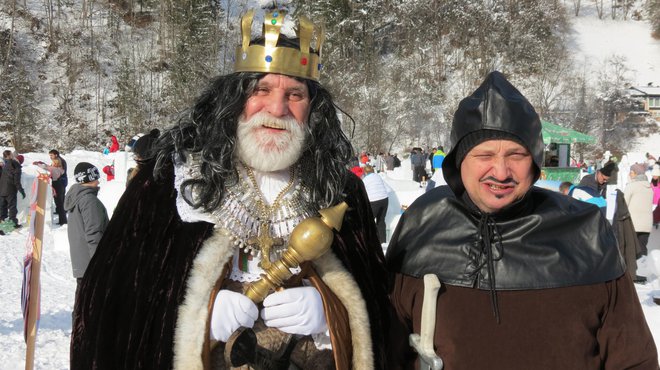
(256, 228)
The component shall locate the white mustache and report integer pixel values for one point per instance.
(269, 151)
(266, 120)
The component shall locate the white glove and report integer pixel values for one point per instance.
(295, 311)
(231, 310)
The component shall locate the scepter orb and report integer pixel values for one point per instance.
(309, 240)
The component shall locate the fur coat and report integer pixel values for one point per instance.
(143, 302)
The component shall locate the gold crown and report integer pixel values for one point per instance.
(270, 58)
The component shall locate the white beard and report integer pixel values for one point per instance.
(265, 150)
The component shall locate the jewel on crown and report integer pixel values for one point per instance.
(303, 61)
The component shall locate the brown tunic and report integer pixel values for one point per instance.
(598, 326)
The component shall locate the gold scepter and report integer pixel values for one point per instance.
(309, 240)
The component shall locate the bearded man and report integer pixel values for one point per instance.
(531, 278)
(260, 151)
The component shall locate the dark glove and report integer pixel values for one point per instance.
(22, 192)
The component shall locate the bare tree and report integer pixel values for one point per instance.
(576, 7)
(599, 8)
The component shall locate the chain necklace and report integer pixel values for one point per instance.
(264, 240)
(245, 214)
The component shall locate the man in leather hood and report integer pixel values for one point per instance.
(531, 279)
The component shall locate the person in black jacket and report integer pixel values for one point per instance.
(598, 180)
(59, 186)
(10, 186)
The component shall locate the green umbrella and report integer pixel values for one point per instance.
(556, 134)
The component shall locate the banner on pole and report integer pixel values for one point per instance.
(27, 259)
(30, 294)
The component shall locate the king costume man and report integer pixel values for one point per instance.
(531, 278)
(260, 151)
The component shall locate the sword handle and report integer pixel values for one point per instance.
(427, 331)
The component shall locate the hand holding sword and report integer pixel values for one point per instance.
(423, 342)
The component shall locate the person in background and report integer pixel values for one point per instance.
(655, 183)
(626, 237)
(396, 162)
(377, 191)
(358, 171)
(438, 157)
(256, 154)
(10, 186)
(131, 143)
(639, 198)
(389, 162)
(59, 185)
(109, 172)
(88, 218)
(418, 163)
(113, 145)
(583, 193)
(379, 164)
(531, 279)
(364, 159)
(598, 180)
(142, 150)
(56, 171)
(431, 154)
(650, 160)
(614, 175)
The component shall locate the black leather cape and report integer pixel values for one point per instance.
(126, 308)
(545, 240)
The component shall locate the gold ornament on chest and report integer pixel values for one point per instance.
(265, 242)
(264, 239)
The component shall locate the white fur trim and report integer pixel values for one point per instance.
(342, 283)
(190, 332)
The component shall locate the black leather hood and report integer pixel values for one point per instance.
(497, 106)
(547, 240)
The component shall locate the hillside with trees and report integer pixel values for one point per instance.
(70, 69)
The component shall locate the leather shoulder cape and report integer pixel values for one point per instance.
(126, 308)
(554, 241)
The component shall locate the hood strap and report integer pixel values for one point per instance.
(490, 250)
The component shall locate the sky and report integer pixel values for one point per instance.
(58, 285)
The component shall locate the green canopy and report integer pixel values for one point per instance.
(556, 134)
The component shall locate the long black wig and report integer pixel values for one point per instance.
(208, 131)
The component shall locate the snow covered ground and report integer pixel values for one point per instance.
(58, 285)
